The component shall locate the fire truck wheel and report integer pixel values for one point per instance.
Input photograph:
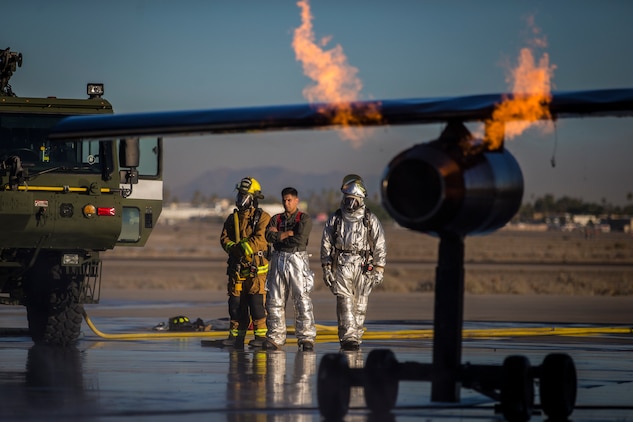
(55, 315)
(333, 386)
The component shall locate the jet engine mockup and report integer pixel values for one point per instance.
(453, 185)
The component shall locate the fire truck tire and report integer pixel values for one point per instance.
(55, 317)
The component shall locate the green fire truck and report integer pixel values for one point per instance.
(63, 202)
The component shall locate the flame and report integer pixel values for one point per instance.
(336, 80)
(531, 94)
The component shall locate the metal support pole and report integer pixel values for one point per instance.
(448, 319)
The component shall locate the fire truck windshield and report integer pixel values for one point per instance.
(25, 136)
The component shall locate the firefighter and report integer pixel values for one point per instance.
(243, 239)
(353, 257)
(289, 275)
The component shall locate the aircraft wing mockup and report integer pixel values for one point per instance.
(610, 102)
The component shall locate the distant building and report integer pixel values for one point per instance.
(184, 211)
(176, 212)
(584, 220)
(619, 223)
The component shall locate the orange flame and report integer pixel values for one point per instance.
(531, 95)
(336, 80)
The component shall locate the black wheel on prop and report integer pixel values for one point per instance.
(333, 386)
(517, 389)
(381, 385)
(558, 386)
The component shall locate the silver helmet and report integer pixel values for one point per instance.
(354, 192)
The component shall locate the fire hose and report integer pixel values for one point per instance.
(329, 334)
(238, 276)
(323, 330)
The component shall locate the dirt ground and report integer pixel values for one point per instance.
(505, 262)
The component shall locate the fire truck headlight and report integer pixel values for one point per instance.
(94, 90)
(89, 211)
(70, 259)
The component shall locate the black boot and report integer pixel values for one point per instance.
(306, 346)
(257, 342)
(234, 341)
(269, 345)
(350, 345)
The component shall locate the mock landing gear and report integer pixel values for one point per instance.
(379, 378)
(512, 384)
(558, 385)
(333, 386)
(381, 381)
(517, 389)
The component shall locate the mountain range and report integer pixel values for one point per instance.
(221, 182)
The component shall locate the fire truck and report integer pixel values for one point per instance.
(63, 203)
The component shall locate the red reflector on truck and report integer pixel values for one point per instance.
(106, 211)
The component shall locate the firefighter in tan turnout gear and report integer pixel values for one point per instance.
(353, 257)
(243, 239)
(289, 275)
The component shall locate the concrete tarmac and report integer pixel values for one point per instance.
(177, 379)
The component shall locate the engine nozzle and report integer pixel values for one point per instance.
(452, 185)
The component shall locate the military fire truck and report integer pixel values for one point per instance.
(63, 202)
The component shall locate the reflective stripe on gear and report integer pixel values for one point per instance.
(237, 333)
(246, 271)
(247, 248)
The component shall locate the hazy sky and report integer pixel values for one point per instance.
(166, 55)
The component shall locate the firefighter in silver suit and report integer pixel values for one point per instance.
(353, 257)
(289, 274)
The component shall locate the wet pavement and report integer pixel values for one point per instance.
(177, 379)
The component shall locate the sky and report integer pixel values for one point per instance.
(158, 55)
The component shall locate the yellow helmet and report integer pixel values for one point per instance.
(353, 185)
(249, 185)
(248, 192)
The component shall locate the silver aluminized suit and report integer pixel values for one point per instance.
(346, 237)
(289, 273)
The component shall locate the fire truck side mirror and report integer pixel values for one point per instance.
(129, 152)
(129, 177)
